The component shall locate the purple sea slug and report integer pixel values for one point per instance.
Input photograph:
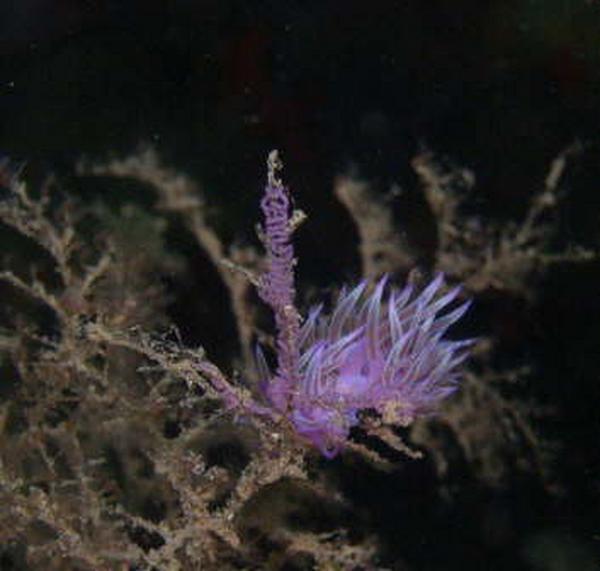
(374, 351)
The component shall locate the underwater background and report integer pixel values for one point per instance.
(417, 137)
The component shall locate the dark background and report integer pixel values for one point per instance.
(500, 87)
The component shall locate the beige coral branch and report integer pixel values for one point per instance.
(180, 195)
(485, 254)
(383, 249)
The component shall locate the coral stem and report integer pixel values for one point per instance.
(276, 286)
